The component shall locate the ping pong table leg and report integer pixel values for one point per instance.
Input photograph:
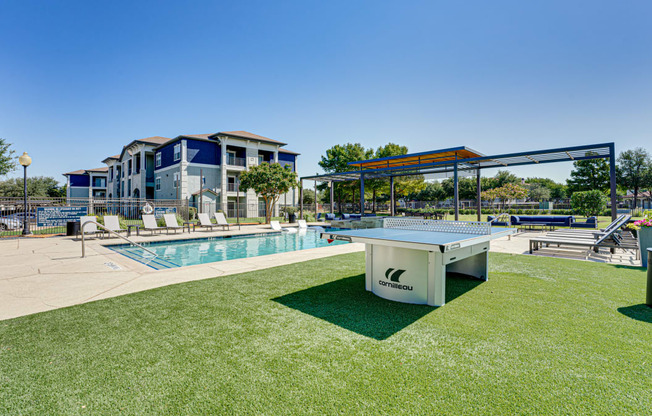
(436, 279)
(369, 266)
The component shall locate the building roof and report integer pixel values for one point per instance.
(197, 136)
(203, 191)
(246, 135)
(641, 195)
(87, 171)
(154, 140)
(281, 150)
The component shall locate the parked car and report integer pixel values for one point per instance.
(8, 223)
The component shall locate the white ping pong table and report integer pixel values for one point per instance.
(407, 259)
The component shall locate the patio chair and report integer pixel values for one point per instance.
(90, 228)
(171, 223)
(276, 226)
(205, 221)
(221, 220)
(112, 222)
(149, 223)
(302, 224)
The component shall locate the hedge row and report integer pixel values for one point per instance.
(492, 211)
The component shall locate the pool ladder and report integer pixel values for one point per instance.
(110, 232)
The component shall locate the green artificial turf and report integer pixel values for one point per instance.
(542, 336)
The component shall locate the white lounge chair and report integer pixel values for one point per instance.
(302, 224)
(90, 228)
(205, 221)
(149, 223)
(112, 222)
(221, 220)
(171, 223)
(276, 226)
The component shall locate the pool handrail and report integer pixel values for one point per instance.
(97, 224)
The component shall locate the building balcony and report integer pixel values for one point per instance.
(236, 161)
(232, 187)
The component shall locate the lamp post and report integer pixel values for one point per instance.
(25, 161)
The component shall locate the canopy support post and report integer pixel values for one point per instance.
(456, 194)
(362, 195)
(301, 200)
(478, 196)
(392, 204)
(612, 182)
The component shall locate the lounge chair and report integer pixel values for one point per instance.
(112, 222)
(221, 220)
(171, 223)
(277, 227)
(205, 221)
(149, 223)
(302, 224)
(609, 238)
(90, 228)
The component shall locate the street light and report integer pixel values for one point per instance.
(25, 161)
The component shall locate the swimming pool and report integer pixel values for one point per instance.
(211, 249)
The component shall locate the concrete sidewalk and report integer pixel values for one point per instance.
(40, 274)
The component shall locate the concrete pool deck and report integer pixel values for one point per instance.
(40, 274)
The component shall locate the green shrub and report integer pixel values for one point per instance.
(192, 213)
(588, 203)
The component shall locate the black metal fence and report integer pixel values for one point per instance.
(50, 215)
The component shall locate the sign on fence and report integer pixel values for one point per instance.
(58, 216)
(159, 211)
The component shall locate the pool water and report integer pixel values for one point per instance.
(212, 249)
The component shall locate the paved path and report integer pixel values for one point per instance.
(40, 274)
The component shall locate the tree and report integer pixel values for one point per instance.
(589, 203)
(503, 177)
(466, 188)
(433, 191)
(588, 175)
(337, 160)
(504, 194)
(557, 190)
(269, 181)
(405, 186)
(308, 196)
(7, 159)
(377, 186)
(537, 192)
(634, 171)
(37, 186)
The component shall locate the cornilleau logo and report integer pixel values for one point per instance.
(393, 275)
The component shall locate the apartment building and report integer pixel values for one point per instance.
(203, 168)
(86, 183)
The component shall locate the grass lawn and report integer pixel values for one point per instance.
(542, 336)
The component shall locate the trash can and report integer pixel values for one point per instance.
(72, 228)
(648, 298)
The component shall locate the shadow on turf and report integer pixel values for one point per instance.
(346, 303)
(640, 312)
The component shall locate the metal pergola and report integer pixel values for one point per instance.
(461, 160)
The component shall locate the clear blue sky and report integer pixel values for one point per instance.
(80, 79)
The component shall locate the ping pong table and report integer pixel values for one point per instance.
(407, 259)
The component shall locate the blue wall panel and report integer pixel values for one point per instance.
(207, 153)
(80, 180)
(287, 159)
(167, 156)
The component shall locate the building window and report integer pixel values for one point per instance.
(176, 180)
(138, 164)
(123, 170)
(129, 187)
(158, 159)
(129, 167)
(177, 152)
(158, 183)
(111, 173)
(99, 182)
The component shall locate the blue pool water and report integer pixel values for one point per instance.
(211, 249)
